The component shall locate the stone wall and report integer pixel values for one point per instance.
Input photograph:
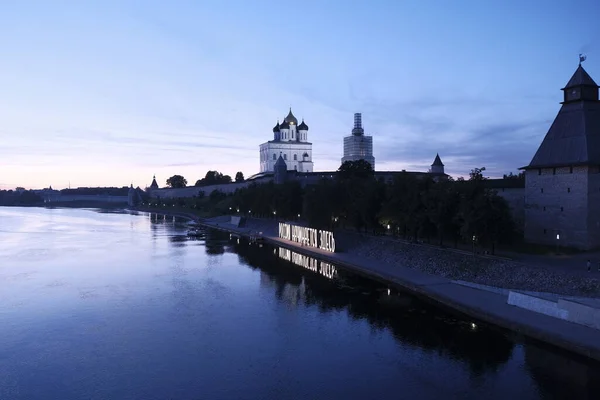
(57, 197)
(593, 205)
(191, 191)
(556, 203)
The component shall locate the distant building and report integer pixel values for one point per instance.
(154, 185)
(437, 167)
(290, 141)
(358, 146)
(562, 181)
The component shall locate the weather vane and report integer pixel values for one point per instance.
(581, 58)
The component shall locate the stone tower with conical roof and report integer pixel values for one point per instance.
(290, 140)
(437, 167)
(154, 185)
(562, 181)
(280, 173)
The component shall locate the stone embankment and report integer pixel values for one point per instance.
(489, 271)
(446, 263)
(413, 268)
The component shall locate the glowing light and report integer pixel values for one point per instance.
(312, 237)
(388, 226)
(473, 326)
(312, 264)
(557, 236)
(389, 292)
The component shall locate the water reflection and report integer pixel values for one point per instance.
(559, 376)
(310, 263)
(412, 322)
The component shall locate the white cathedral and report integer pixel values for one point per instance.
(290, 141)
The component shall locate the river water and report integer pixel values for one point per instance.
(107, 305)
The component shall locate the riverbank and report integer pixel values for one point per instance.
(483, 305)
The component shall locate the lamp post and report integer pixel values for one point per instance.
(557, 239)
(474, 239)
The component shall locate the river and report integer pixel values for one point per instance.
(118, 305)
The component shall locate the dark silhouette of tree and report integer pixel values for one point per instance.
(476, 174)
(213, 178)
(355, 169)
(520, 175)
(239, 176)
(322, 204)
(177, 181)
(413, 205)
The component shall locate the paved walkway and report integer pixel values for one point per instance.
(480, 304)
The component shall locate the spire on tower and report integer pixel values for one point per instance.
(358, 129)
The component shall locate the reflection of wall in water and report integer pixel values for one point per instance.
(562, 377)
(310, 263)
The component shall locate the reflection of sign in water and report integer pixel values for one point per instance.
(319, 267)
(321, 239)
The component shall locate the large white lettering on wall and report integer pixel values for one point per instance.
(311, 237)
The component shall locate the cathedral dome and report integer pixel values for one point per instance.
(290, 119)
(276, 129)
(284, 125)
(302, 126)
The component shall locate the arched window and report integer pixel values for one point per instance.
(295, 157)
(285, 157)
(274, 157)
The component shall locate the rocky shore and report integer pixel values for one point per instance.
(482, 270)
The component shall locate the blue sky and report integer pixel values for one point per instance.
(102, 93)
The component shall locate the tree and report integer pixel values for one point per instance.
(213, 178)
(239, 177)
(177, 181)
(520, 175)
(355, 169)
(476, 174)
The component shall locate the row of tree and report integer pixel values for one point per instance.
(19, 198)
(414, 206)
(211, 178)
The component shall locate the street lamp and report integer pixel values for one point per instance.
(557, 240)
(474, 239)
